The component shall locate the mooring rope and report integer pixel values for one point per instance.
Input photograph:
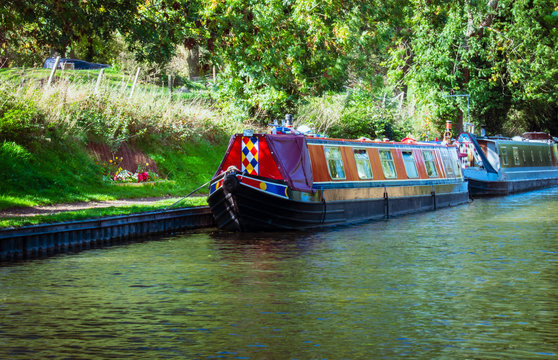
(179, 200)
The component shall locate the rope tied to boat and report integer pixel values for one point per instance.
(181, 199)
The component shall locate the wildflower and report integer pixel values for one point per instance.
(110, 161)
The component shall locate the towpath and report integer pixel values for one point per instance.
(58, 208)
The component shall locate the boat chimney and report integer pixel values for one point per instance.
(447, 134)
(289, 119)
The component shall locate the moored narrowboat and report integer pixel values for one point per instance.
(500, 166)
(291, 181)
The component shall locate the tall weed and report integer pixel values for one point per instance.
(108, 113)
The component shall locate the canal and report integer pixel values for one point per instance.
(476, 281)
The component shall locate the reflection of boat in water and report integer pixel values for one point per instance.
(286, 181)
(499, 166)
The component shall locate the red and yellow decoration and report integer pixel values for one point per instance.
(250, 149)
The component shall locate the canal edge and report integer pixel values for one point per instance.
(43, 240)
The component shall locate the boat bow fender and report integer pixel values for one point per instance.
(230, 182)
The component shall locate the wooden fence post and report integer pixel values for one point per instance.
(125, 84)
(56, 62)
(170, 85)
(98, 81)
(134, 84)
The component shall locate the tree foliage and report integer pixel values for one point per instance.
(60, 25)
(271, 55)
(500, 52)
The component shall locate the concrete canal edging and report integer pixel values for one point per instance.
(48, 239)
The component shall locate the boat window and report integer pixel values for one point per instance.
(410, 165)
(388, 166)
(334, 162)
(532, 157)
(429, 163)
(456, 163)
(504, 155)
(516, 156)
(362, 163)
(448, 165)
(540, 156)
(523, 152)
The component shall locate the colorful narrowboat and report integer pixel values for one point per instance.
(296, 182)
(500, 166)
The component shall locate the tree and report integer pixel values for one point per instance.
(500, 52)
(162, 25)
(59, 24)
(272, 53)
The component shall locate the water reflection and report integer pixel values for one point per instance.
(476, 281)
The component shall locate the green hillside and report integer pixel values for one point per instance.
(47, 134)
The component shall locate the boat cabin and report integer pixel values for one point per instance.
(382, 162)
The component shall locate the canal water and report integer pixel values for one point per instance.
(477, 281)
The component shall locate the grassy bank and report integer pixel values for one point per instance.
(45, 133)
(99, 212)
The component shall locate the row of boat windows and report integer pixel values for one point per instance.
(528, 156)
(364, 170)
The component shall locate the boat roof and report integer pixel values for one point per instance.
(365, 143)
(517, 140)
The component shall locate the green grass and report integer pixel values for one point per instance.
(61, 173)
(99, 212)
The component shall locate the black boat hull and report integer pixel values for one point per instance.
(243, 208)
(479, 188)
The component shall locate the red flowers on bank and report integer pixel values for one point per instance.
(143, 176)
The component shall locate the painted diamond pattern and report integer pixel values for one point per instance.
(250, 149)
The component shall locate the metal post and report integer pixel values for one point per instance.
(51, 77)
(468, 110)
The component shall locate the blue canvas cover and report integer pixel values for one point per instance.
(78, 64)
